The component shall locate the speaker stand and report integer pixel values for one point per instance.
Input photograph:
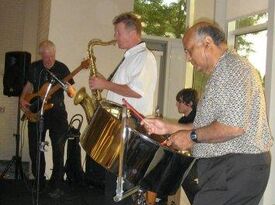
(16, 159)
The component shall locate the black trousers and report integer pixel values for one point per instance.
(56, 122)
(234, 179)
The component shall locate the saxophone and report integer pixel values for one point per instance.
(90, 103)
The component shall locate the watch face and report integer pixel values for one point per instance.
(193, 136)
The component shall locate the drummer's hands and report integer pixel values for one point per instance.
(155, 126)
(97, 83)
(180, 140)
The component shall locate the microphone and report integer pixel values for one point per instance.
(63, 85)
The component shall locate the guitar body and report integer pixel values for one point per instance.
(35, 99)
(41, 93)
(34, 116)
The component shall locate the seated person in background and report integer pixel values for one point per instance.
(160, 185)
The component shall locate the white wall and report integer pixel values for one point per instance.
(18, 20)
(10, 26)
(204, 9)
(238, 8)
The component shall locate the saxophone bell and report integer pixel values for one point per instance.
(86, 102)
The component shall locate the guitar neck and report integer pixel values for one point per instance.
(65, 80)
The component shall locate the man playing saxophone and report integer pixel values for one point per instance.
(134, 79)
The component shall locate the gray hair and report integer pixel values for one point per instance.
(47, 44)
(212, 30)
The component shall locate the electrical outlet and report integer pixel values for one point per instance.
(2, 109)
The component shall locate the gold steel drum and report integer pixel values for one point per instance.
(100, 138)
(143, 153)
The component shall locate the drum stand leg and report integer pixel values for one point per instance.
(120, 179)
(124, 133)
(120, 194)
(119, 189)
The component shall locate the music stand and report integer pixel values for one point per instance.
(16, 159)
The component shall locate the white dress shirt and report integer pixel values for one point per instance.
(139, 72)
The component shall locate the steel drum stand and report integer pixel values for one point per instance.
(120, 179)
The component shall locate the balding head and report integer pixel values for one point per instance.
(203, 29)
(46, 45)
(203, 44)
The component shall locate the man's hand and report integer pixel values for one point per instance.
(180, 140)
(98, 74)
(97, 83)
(156, 126)
(24, 104)
(70, 90)
(162, 127)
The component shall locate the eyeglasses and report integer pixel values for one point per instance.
(189, 51)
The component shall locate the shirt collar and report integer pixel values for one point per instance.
(222, 57)
(136, 49)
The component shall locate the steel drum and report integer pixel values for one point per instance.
(144, 154)
(101, 140)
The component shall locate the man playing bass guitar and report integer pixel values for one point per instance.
(55, 119)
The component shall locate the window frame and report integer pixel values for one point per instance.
(232, 32)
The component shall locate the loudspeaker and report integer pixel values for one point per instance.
(16, 68)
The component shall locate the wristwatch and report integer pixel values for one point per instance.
(193, 136)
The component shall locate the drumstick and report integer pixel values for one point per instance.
(134, 111)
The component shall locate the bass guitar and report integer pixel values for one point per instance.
(35, 99)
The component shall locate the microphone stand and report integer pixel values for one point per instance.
(63, 85)
(40, 145)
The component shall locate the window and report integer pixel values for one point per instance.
(249, 37)
(166, 18)
(256, 52)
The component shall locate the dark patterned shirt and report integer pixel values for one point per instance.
(234, 97)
